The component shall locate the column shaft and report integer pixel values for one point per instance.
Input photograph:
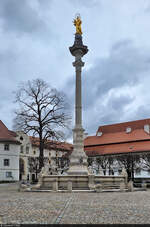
(78, 98)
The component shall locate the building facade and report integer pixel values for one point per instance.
(126, 143)
(19, 155)
(29, 154)
(9, 154)
(19, 152)
(126, 137)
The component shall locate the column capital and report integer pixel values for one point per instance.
(78, 47)
(78, 63)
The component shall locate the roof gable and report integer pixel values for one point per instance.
(7, 135)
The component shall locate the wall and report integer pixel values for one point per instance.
(25, 142)
(13, 155)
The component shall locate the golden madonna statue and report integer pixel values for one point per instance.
(77, 22)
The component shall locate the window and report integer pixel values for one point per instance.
(21, 166)
(21, 149)
(147, 128)
(27, 150)
(6, 162)
(8, 174)
(34, 152)
(128, 130)
(99, 134)
(6, 147)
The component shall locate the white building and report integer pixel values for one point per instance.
(9, 155)
(29, 148)
(17, 149)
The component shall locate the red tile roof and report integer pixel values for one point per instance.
(52, 144)
(115, 139)
(119, 127)
(7, 135)
(140, 146)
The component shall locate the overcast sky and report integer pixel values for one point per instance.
(34, 39)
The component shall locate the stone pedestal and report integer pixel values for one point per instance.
(98, 188)
(91, 182)
(78, 158)
(124, 173)
(55, 185)
(144, 186)
(122, 186)
(69, 186)
(130, 186)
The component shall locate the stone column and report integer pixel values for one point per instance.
(78, 64)
(78, 158)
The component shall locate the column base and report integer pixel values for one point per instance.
(78, 170)
(78, 158)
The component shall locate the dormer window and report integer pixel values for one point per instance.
(147, 128)
(99, 134)
(128, 130)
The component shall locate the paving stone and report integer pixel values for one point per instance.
(73, 208)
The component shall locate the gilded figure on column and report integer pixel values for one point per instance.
(77, 23)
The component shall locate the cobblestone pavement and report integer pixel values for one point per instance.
(73, 208)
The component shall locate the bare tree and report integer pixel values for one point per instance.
(105, 162)
(42, 111)
(33, 165)
(145, 159)
(130, 162)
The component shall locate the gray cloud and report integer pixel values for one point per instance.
(45, 3)
(111, 112)
(85, 3)
(143, 111)
(7, 78)
(20, 16)
(123, 67)
(118, 103)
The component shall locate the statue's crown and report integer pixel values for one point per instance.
(77, 15)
